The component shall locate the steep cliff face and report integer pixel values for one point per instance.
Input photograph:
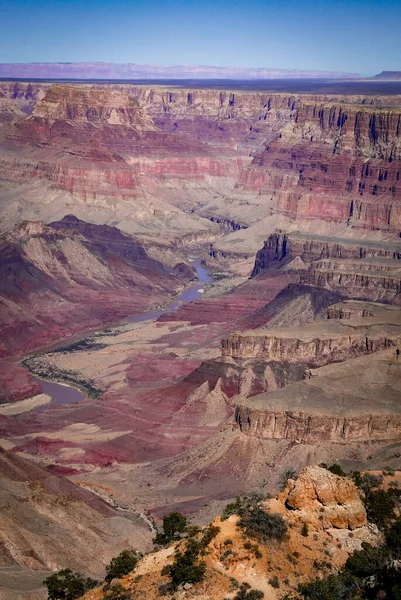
(355, 268)
(375, 282)
(304, 428)
(351, 401)
(67, 103)
(310, 346)
(282, 247)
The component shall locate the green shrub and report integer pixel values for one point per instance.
(305, 530)
(186, 567)
(174, 524)
(274, 582)
(67, 585)
(337, 470)
(117, 592)
(241, 505)
(367, 482)
(209, 533)
(330, 588)
(366, 561)
(263, 525)
(393, 537)
(380, 507)
(247, 593)
(122, 564)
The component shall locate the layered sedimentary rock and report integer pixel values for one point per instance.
(362, 269)
(346, 402)
(336, 163)
(315, 343)
(281, 247)
(320, 157)
(376, 281)
(324, 500)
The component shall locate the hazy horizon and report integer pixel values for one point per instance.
(356, 36)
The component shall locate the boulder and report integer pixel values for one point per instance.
(324, 500)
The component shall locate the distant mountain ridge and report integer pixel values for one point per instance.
(106, 70)
(389, 75)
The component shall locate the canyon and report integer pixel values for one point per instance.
(286, 354)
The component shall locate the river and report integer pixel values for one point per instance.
(66, 394)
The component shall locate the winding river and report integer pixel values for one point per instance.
(66, 394)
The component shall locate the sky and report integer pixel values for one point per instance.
(362, 36)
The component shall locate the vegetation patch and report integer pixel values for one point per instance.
(68, 585)
(38, 366)
(122, 564)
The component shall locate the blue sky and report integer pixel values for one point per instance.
(348, 35)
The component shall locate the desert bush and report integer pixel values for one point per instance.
(122, 564)
(330, 588)
(174, 524)
(209, 533)
(288, 473)
(241, 505)
(186, 567)
(117, 592)
(247, 593)
(274, 582)
(304, 530)
(263, 525)
(393, 537)
(367, 482)
(67, 585)
(380, 507)
(366, 561)
(337, 470)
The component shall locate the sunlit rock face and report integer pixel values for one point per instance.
(324, 500)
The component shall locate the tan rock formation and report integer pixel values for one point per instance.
(323, 500)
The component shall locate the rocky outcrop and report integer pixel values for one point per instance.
(77, 105)
(344, 402)
(281, 247)
(376, 282)
(356, 309)
(324, 500)
(306, 428)
(317, 343)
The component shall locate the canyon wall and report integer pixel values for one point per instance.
(332, 158)
(306, 428)
(315, 350)
(280, 246)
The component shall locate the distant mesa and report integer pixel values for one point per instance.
(129, 71)
(389, 75)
